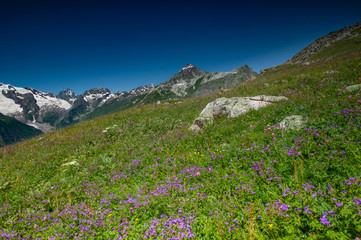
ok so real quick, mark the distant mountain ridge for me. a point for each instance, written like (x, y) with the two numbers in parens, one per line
(47, 111)
(193, 82)
(31, 106)
(324, 41)
(95, 98)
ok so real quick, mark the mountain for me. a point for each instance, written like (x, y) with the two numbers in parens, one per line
(190, 81)
(12, 130)
(67, 95)
(46, 110)
(31, 106)
(100, 101)
(322, 42)
(123, 101)
(141, 174)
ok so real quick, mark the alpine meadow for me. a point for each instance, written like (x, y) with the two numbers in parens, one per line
(142, 173)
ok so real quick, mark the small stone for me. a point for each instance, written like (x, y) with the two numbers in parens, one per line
(353, 88)
(294, 122)
(331, 72)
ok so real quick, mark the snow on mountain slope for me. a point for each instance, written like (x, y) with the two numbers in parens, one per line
(44, 99)
(31, 106)
(8, 106)
(68, 95)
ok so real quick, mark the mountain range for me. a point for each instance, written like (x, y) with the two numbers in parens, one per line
(46, 111)
(277, 157)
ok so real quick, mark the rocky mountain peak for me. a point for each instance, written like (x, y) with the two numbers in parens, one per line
(187, 66)
(142, 89)
(189, 71)
(97, 91)
(67, 94)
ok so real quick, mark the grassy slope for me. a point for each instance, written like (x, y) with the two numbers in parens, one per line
(11, 131)
(148, 176)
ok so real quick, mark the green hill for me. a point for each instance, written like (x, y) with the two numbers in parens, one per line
(141, 174)
(12, 131)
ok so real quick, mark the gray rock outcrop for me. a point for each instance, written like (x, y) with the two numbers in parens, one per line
(232, 107)
(294, 122)
(351, 88)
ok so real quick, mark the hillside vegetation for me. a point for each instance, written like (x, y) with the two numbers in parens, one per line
(141, 174)
(11, 130)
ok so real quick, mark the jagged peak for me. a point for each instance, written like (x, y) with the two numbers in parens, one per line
(188, 66)
(67, 94)
(97, 91)
(189, 71)
(142, 89)
(67, 91)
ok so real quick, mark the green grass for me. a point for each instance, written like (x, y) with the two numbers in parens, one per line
(340, 48)
(140, 173)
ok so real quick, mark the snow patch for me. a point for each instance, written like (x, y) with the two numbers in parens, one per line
(8, 106)
(22, 90)
(187, 67)
(34, 126)
(48, 100)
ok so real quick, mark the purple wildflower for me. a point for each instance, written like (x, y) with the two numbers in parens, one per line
(325, 221)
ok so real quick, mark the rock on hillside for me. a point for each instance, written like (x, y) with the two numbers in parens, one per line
(324, 41)
(232, 107)
(293, 122)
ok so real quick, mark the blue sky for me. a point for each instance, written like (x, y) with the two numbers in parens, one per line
(52, 45)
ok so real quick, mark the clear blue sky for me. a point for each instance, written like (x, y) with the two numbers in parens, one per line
(54, 44)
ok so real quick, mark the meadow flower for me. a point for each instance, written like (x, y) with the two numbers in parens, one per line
(325, 221)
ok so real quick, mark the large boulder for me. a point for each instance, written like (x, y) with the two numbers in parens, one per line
(232, 107)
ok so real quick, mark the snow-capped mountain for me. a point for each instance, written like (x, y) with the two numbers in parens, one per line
(68, 95)
(33, 107)
(141, 90)
(96, 97)
(100, 101)
(45, 110)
